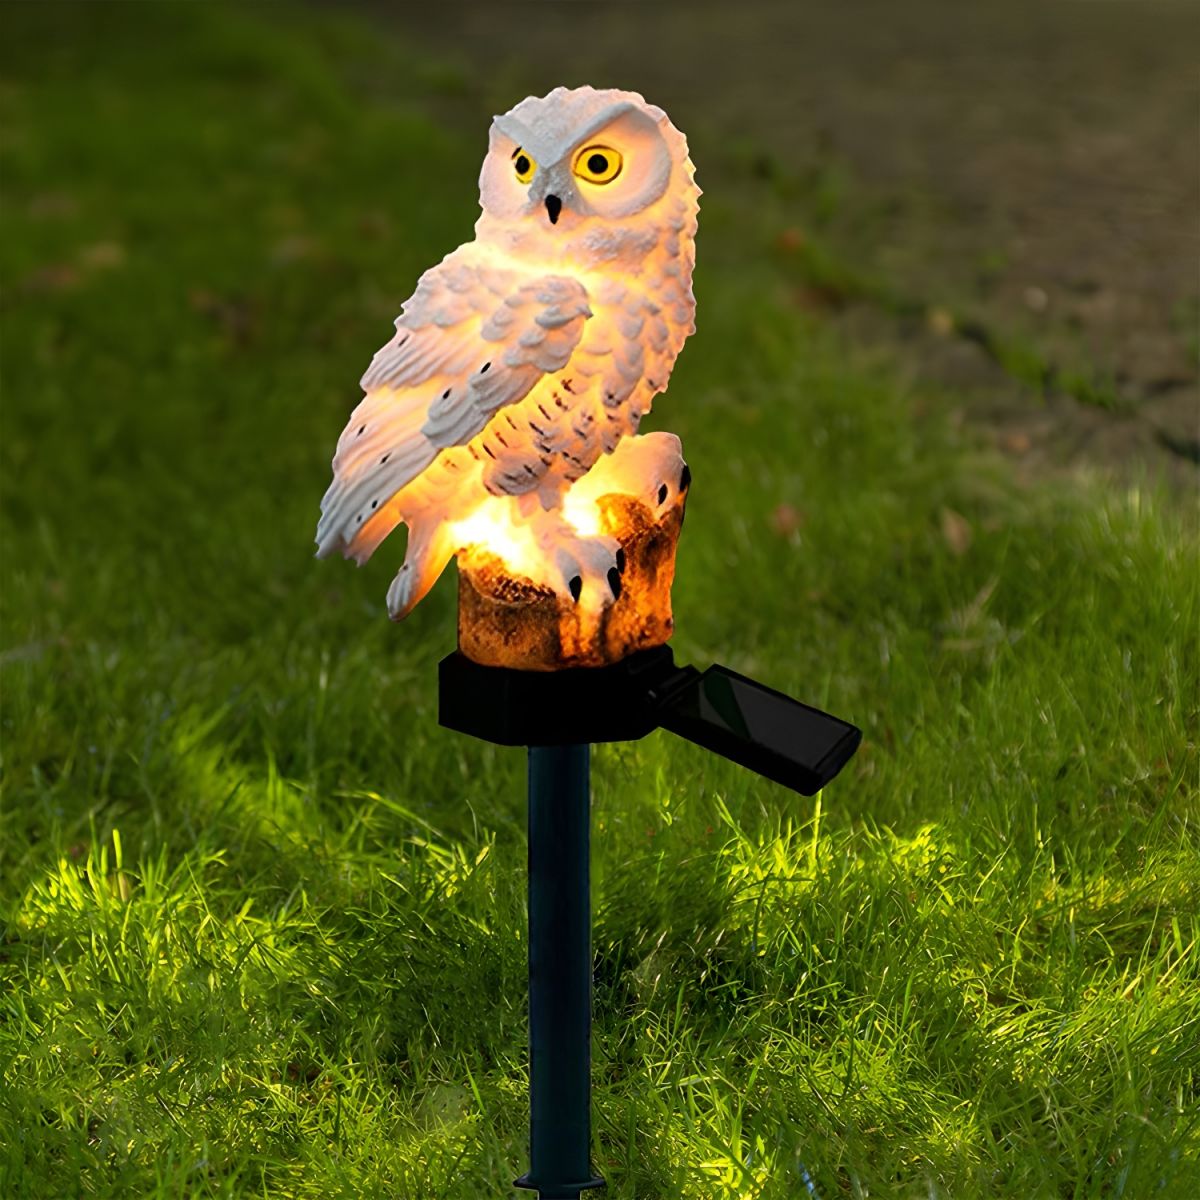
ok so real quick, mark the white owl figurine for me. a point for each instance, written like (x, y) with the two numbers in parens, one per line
(527, 355)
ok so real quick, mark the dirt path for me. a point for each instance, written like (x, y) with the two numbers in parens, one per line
(1025, 177)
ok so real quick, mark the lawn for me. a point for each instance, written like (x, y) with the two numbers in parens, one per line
(263, 921)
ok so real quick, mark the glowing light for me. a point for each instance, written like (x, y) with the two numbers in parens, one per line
(491, 529)
(581, 513)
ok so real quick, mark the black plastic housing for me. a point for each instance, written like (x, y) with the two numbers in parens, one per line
(773, 735)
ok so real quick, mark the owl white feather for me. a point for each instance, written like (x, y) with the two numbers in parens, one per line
(529, 353)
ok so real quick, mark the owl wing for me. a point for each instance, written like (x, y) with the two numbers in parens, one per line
(473, 338)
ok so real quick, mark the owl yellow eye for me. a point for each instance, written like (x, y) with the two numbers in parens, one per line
(598, 164)
(523, 165)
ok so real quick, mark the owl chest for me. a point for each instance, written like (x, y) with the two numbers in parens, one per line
(633, 339)
(550, 433)
(576, 414)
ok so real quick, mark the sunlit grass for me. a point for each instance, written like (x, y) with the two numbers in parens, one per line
(264, 920)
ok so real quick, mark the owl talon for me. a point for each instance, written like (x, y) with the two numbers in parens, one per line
(585, 568)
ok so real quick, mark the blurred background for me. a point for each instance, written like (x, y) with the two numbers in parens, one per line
(1016, 184)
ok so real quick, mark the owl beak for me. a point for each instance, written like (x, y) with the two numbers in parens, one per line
(553, 207)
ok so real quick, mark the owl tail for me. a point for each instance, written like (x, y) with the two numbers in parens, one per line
(430, 548)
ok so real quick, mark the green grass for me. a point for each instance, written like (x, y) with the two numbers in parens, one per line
(264, 920)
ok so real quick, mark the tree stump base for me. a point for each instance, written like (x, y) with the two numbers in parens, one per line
(509, 621)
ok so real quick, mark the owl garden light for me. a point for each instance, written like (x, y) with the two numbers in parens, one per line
(500, 424)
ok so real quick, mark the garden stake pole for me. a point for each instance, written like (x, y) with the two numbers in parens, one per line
(559, 715)
(560, 973)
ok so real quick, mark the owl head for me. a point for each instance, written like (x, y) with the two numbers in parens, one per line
(582, 153)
